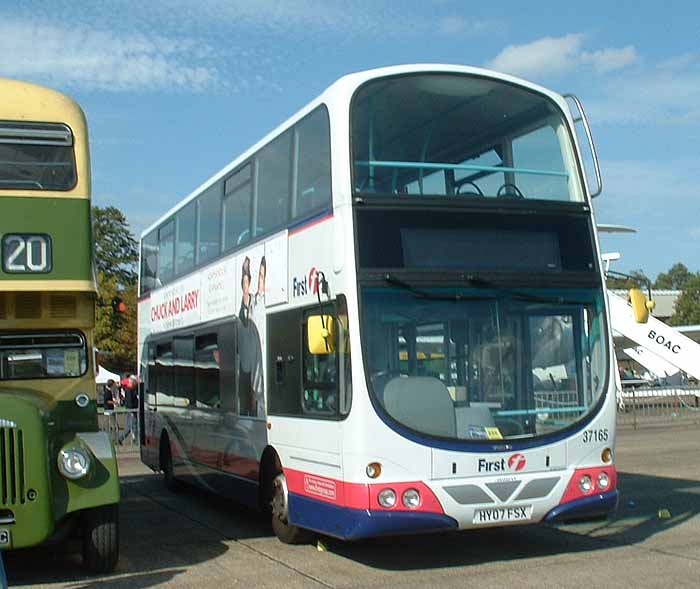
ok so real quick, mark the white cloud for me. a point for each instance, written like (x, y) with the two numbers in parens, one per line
(554, 55)
(658, 96)
(101, 59)
(607, 60)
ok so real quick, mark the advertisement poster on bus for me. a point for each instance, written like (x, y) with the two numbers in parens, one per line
(252, 271)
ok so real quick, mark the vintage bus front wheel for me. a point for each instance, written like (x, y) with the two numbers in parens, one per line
(101, 538)
(285, 532)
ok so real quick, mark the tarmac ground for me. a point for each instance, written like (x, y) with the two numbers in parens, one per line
(193, 539)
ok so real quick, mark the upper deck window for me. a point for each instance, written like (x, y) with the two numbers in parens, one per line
(36, 156)
(460, 136)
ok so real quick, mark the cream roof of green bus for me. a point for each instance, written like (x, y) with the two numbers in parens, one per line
(25, 101)
(337, 98)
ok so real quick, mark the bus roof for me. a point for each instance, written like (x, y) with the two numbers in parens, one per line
(339, 93)
(25, 101)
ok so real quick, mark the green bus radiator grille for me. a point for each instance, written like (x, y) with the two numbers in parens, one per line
(12, 475)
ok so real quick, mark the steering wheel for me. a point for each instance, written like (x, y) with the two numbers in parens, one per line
(478, 190)
(503, 191)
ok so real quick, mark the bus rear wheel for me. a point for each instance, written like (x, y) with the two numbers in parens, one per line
(166, 464)
(285, 532)
(100, 529)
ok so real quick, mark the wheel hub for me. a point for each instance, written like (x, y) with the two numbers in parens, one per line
(280, 497)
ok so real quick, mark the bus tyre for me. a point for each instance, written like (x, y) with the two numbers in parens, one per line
(101, 538)
(166, 464)
(285, 532)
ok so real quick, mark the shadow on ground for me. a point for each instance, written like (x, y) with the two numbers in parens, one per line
(165, 533)
(637, 519)
(162, 534)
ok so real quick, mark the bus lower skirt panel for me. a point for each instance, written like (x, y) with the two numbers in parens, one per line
(351, 524)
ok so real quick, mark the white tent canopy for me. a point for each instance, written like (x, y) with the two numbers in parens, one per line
(103, 375)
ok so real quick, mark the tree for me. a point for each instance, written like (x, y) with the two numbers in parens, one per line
(116, 255)
(687, 310)
(674, 279)
(115, 333)
(116, 249)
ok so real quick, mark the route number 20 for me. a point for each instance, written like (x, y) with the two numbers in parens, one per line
(26, 253)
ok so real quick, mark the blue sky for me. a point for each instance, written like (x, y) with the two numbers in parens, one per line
(174, 90)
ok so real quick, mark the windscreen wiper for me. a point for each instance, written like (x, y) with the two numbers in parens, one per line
(479, 282)
(424, 294)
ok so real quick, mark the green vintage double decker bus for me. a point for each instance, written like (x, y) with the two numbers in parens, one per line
(58, 472)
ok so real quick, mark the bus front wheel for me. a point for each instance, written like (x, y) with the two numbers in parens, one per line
(285, 532)
(101, 538)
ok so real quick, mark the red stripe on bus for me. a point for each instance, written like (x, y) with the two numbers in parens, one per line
(358, 495)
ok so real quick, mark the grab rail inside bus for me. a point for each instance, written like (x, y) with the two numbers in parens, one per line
(581, 118)
(446, 166)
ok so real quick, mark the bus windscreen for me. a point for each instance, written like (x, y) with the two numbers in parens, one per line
(36, 156)
(460, 136)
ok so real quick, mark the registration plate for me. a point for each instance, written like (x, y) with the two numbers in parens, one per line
(4, 537)
(497, 515)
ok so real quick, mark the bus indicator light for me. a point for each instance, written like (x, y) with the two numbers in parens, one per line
(373, 470)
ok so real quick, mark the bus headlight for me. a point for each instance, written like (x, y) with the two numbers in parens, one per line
(82, 400)
(603, 480)
(585, 484)
(411, 498)
(387, 498)
(73, 463)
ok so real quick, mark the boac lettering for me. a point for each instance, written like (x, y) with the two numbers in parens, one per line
(662, 341)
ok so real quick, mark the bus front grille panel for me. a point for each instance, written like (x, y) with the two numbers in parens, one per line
(63, 307)
(12, 473)
(28, 305)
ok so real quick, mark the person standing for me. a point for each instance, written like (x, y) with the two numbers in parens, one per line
(131, 402)
(108, 395)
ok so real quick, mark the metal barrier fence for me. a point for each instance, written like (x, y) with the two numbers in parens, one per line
(115, 422)
(646, 406)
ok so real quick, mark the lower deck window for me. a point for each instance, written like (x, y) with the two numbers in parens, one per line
(28, 355)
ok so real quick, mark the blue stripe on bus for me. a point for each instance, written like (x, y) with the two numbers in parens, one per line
(598, 505)
(351, 524)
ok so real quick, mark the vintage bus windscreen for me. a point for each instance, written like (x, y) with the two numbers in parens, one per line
(443, 134)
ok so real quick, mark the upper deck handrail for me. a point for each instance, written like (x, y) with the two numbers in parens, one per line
(446, 166)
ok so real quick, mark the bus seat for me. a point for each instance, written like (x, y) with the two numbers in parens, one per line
(422, 403)
(474, 415)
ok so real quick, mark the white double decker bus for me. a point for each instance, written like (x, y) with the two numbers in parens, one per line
(389, 315)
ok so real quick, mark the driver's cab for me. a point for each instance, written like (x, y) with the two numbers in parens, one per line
(477, 378)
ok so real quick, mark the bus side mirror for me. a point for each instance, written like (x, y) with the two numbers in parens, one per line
(321, 334)
(640, 305)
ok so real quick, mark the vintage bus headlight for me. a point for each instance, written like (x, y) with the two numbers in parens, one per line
(73, 463)
(585, 483)
(411, 498)
(82, 400)
(387, 498)
(603, 480)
